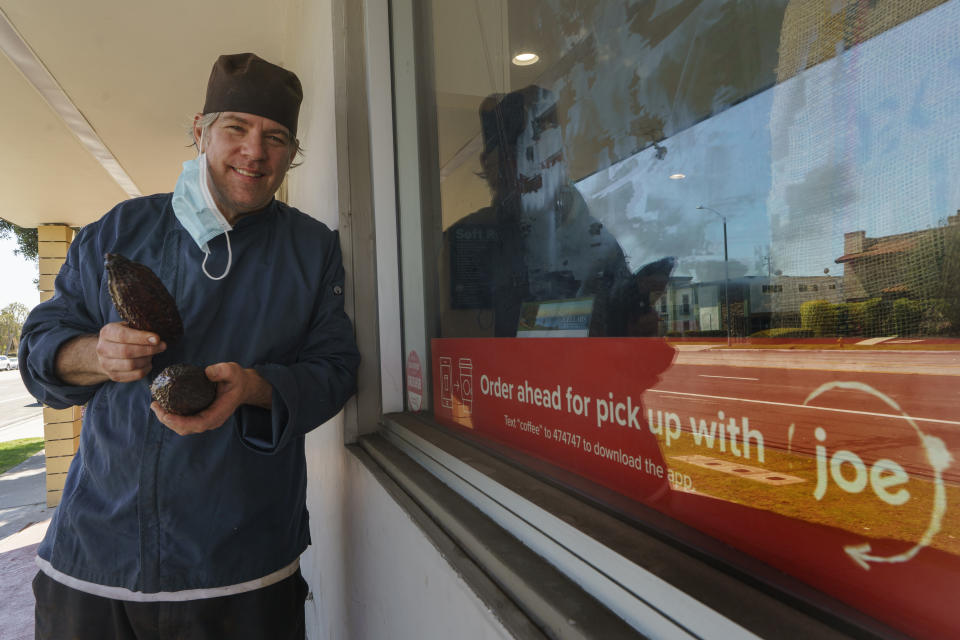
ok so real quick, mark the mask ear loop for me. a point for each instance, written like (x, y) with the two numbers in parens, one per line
(203, 136)
(226, 233)
(203, 265)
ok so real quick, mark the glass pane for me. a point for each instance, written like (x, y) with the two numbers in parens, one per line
(705, 257)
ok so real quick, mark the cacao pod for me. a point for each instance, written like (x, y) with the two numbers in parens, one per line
(183, 389)
(141, 299)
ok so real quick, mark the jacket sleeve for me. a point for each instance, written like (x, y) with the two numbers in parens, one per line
(73, 310)
(313, 389)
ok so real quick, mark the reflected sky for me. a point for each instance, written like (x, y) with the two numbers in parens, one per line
(726, 160)
(864, 141)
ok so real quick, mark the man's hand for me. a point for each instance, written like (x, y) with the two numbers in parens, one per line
(118, 353)
(235, 386)
(126, 354)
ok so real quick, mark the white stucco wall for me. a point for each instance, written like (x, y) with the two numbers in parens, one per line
(372, 572)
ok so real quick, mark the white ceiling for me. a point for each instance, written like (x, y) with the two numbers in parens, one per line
(136, 71)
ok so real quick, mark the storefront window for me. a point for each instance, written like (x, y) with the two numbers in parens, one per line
(706, 254)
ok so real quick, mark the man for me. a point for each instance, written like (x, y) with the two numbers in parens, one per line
(537, 240)
(173, 526)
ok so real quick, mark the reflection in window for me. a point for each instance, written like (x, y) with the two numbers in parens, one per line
(535, 259)
(771, 174)
(574, 197)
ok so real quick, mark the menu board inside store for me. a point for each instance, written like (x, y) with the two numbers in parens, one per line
(835, 466)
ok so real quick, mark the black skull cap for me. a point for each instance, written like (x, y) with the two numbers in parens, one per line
(246, 83)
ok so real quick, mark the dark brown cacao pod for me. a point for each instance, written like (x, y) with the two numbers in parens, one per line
(183, 389)
(141, 299)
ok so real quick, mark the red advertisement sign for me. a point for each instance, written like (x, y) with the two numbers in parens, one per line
(836, 467)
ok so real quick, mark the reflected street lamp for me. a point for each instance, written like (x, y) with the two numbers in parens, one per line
(726, 267)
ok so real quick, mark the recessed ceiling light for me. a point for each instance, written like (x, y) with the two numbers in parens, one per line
(678, 176)
(525, 58)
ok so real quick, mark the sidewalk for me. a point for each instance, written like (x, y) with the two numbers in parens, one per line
(17, 568)
(24, 517)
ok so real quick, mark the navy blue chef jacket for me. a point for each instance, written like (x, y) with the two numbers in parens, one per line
(144, 508)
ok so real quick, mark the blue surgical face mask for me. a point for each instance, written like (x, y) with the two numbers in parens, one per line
(196, 210)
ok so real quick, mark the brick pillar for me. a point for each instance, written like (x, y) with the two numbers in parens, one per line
(61, 434)
(53, 241)
(61, 427)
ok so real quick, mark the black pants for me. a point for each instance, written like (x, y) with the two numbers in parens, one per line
(270, 613)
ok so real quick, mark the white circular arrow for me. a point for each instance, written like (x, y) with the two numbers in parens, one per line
(939, 458)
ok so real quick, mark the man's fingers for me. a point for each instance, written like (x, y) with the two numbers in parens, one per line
(125, 369)
(222, 371)
(127, 364)
(170, 420)
(214, 372)
(128, 376)
(120, 332)
(124, 351)
(125, 354)
(206, 420)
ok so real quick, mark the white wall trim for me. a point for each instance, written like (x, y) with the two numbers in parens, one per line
(380, 113)
(412, 264)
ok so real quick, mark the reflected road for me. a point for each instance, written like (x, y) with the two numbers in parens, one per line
(771, 387)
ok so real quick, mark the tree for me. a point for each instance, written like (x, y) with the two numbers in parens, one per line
(950, 278)
(907, 316)
(932, 274)
(12, 318)
(26, 239)
(820, 317)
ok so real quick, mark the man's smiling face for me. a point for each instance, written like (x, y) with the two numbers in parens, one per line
(248, 156)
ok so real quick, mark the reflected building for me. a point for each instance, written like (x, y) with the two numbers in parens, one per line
(757, 303)
(904, 265)
(787, 295)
